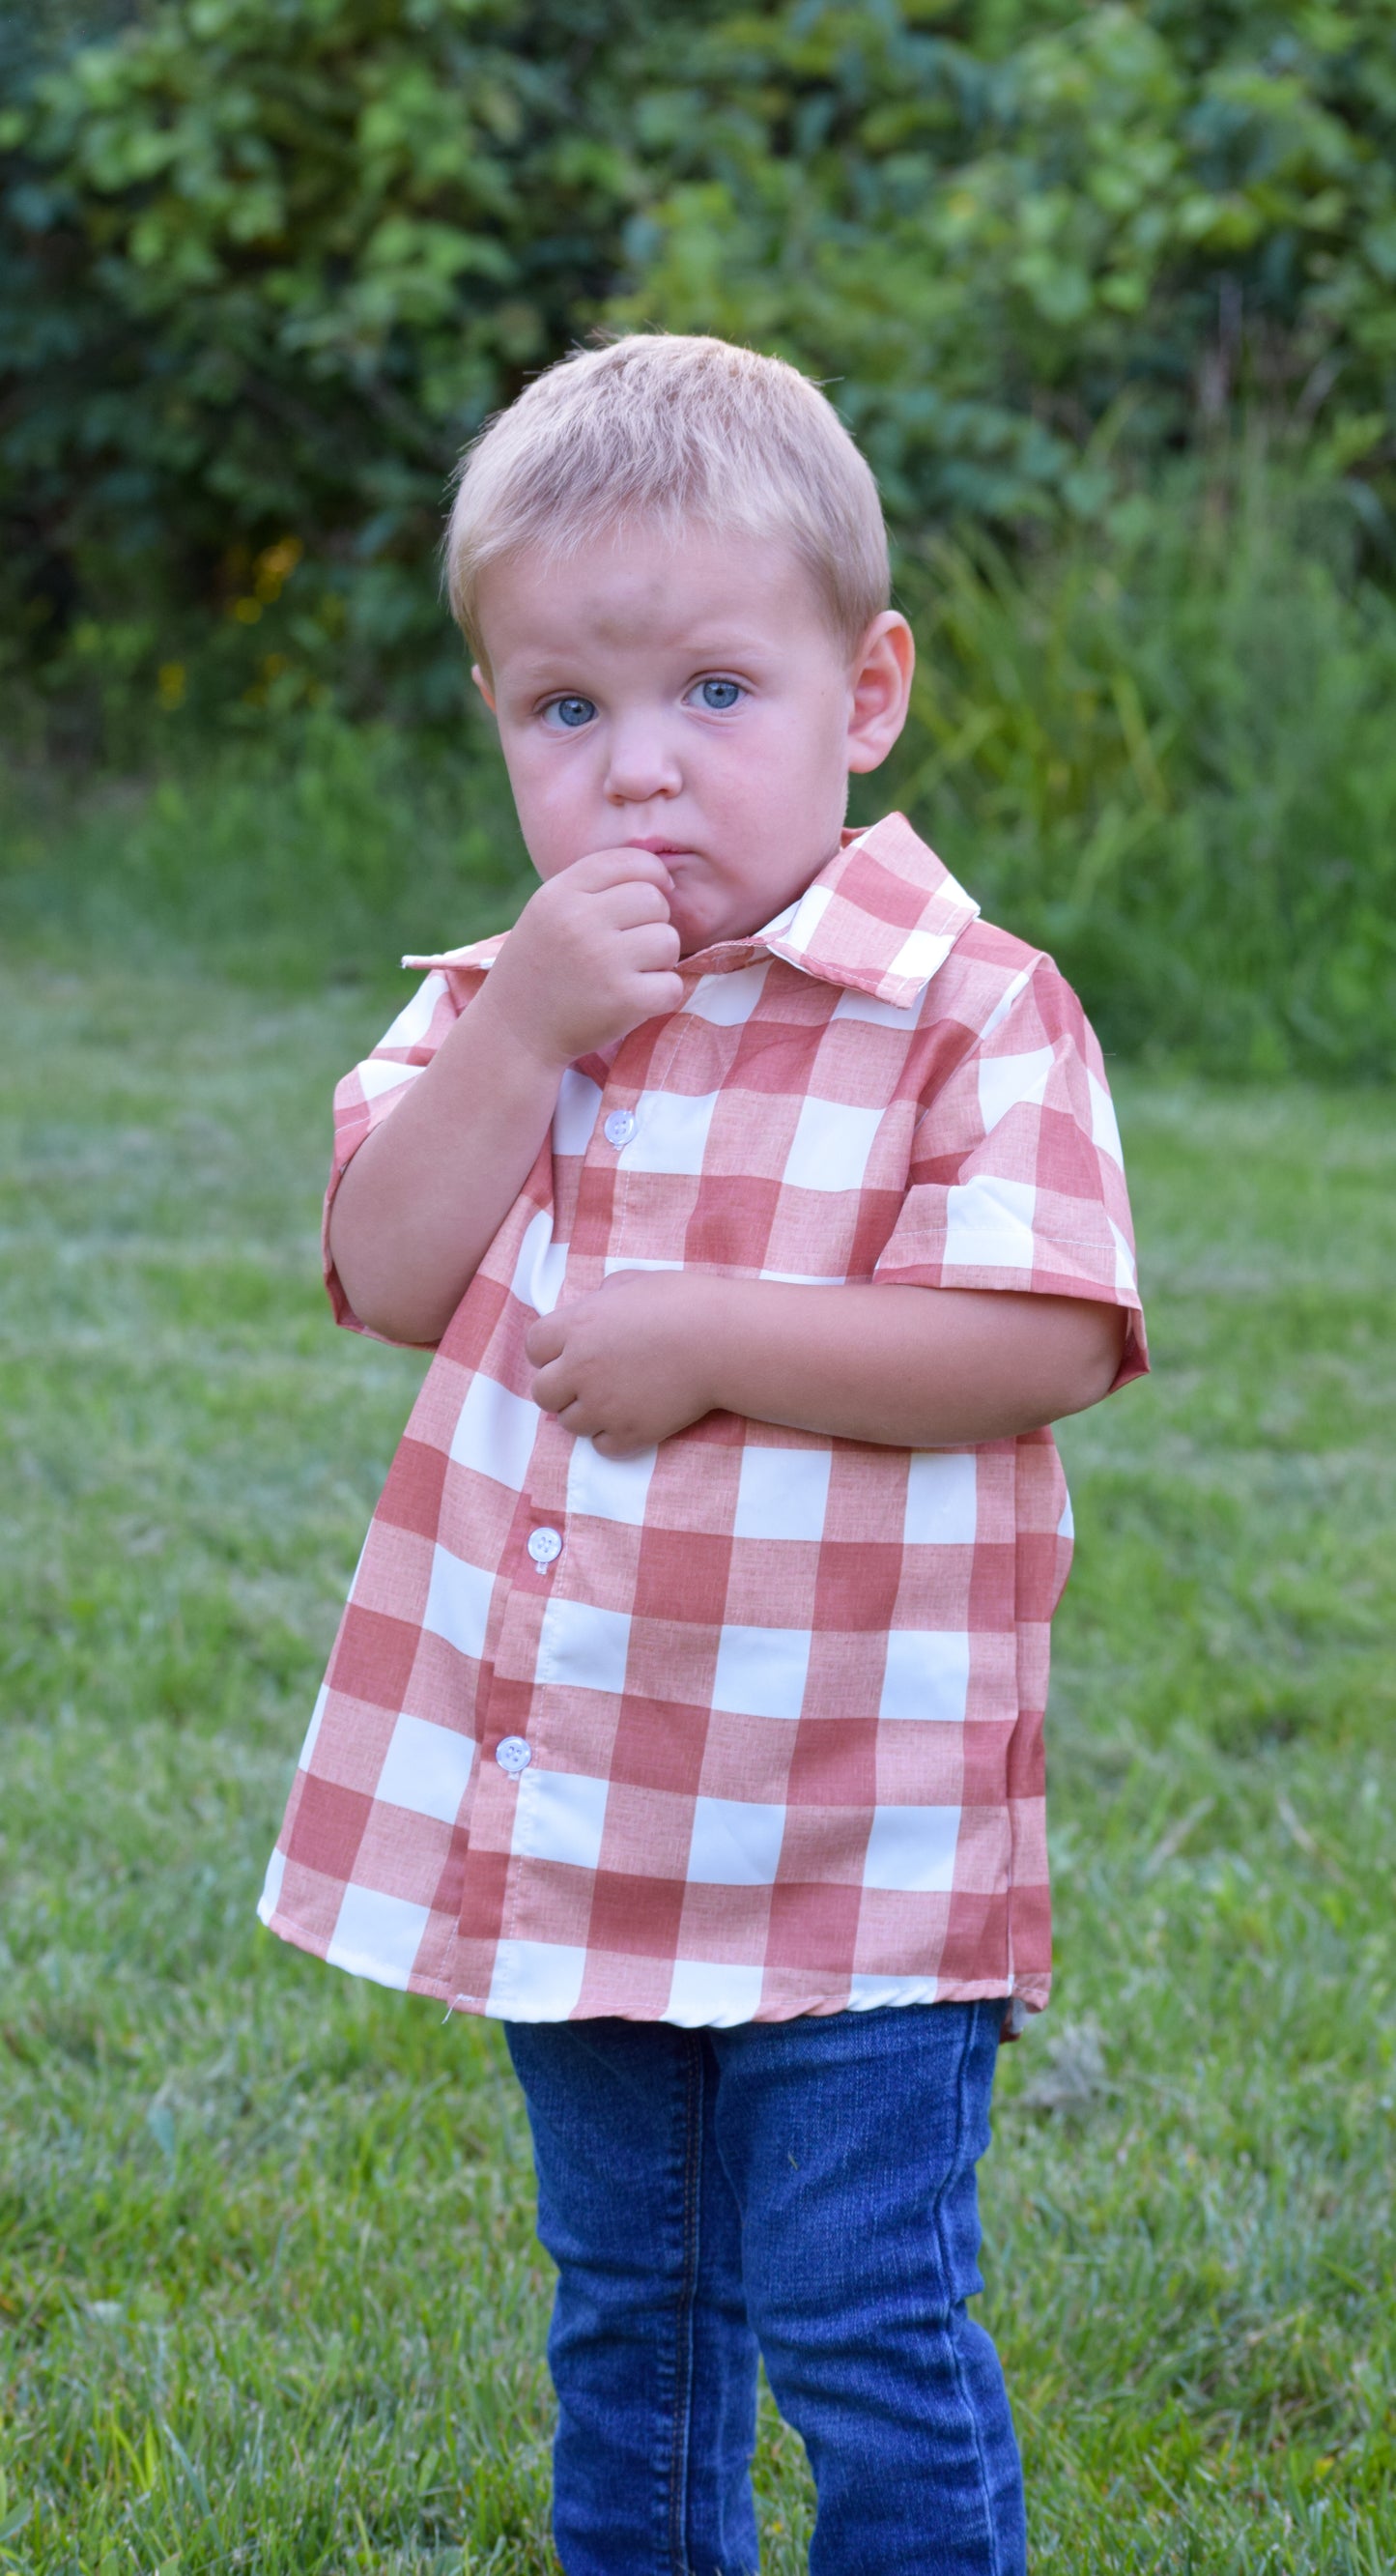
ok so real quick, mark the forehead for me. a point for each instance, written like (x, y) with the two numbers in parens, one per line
(645, 590)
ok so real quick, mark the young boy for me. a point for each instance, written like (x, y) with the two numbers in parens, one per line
(763, 1207)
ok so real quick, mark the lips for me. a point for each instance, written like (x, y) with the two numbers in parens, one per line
(661, 849)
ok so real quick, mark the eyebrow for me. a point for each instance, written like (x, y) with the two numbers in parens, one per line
(719, 645)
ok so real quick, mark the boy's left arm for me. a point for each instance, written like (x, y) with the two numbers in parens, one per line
(917, 1368)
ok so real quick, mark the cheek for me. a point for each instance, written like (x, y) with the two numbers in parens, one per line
(794, 756)
(548, 803)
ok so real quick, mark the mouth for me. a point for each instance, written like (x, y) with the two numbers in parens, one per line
(661, 849)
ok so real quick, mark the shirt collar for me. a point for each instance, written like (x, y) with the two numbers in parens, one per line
(880, 919)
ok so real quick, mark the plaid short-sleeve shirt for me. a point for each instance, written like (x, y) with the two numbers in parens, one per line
(750, 1725)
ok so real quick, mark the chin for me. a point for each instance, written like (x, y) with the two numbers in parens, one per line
(692, 934)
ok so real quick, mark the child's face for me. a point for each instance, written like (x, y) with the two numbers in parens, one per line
(688, 698)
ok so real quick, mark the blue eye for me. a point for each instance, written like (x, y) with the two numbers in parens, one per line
(718, 695)
(572, 712)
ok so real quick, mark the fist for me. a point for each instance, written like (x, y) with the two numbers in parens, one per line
(592, 954)
(629, 1363)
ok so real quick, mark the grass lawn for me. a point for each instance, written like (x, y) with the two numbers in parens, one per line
(269, 2296)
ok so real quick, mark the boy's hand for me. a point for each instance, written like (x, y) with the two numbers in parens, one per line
(625, 1365)
(592, 954)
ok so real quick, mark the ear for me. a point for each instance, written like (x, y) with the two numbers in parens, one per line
(880, 685)
(484, 685)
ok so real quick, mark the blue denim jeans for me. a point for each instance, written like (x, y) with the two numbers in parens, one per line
(805, 2190)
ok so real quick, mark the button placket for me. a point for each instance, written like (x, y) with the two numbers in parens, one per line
(620, 1125)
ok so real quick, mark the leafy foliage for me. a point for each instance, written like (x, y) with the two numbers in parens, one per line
(265, 265)
(1019, 236)
(269, 263)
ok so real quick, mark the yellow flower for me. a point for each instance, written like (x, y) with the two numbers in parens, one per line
(274, 567)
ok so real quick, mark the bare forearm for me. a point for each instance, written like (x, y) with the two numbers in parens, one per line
(634, 1361)
(914, 1367)
(429, 1189)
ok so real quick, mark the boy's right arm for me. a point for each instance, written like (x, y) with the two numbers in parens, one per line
(593, 953)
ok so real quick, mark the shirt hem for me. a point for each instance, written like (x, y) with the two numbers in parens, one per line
(1031, 1991)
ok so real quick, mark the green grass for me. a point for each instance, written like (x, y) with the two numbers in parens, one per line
(269, 2296)
(313, 853)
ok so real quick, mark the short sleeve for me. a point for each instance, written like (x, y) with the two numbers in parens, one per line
(373, 1090)
(1017, 1176)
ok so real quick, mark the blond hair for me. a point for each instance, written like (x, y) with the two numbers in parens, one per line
(665, 429)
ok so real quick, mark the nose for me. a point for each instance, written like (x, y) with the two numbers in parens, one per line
(642, 763)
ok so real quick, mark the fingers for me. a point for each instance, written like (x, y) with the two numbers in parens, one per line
(603, 868)
(633, 902)
(610, 1444)
(559, 1356)
(584, 1423)
(554, 1387)
(657, 996)
(651, 948)
(544, 1339)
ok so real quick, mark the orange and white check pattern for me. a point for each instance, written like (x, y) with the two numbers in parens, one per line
(750, 1725)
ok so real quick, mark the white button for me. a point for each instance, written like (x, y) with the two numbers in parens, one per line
(544, 1545)
(513, 1755)
(620, 1126)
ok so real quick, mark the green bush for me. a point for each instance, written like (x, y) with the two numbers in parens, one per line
(1031, 243)
(1166, 754)
(265, 265)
